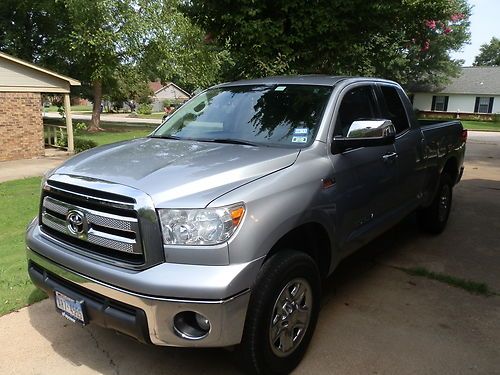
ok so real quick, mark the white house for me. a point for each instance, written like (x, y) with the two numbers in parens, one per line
(168, 91)
(476, 90)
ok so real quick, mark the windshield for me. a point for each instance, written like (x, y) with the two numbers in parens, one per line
(278, 115)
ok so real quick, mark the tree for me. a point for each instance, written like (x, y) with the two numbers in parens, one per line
(113, 46)
(400, 39)
(173, 47)
(489, 54)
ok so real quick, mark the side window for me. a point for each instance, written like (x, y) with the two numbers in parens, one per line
(357, 104)
(394, 109)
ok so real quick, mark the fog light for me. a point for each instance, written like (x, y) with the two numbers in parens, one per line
(202, 321)
(191, 326)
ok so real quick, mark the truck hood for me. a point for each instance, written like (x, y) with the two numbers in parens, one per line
(179, 174)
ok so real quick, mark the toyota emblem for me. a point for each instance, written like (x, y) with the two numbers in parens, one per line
(76, 223)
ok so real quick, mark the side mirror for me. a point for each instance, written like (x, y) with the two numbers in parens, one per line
(365, 133)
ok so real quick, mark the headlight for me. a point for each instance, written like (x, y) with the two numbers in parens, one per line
(207, 226)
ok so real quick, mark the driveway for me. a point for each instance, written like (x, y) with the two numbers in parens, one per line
(375, 318)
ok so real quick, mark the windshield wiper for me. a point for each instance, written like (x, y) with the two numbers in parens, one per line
(233, 141)
(166, 137)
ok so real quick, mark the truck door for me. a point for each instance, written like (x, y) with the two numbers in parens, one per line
(365, 177)
(410, 162)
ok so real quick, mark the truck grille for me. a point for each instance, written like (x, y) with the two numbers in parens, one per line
(92, 224)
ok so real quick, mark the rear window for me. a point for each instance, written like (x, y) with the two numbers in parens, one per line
(394, 109)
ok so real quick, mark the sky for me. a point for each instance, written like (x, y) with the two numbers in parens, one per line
(484, 24)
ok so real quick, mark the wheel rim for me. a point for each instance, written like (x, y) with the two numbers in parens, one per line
(291, 317)
(444, 202)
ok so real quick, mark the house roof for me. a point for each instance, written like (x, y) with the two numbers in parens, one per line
(71, 81)
(484, 80)
(17, 75)
(157, 86)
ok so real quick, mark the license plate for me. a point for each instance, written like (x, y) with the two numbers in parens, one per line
(70, 308)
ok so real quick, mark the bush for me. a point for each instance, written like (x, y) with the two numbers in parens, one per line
(79, 128)
(82, 144)
(145, 109)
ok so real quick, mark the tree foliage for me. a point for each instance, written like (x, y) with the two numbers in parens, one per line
(405, 40)
(113, 46)
(489, 54)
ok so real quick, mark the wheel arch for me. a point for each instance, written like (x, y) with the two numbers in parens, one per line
(311, 238)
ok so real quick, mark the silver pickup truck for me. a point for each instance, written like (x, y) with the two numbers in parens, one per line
(217, 229)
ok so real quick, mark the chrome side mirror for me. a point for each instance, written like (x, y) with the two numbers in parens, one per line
(365, 133)
(371, 129)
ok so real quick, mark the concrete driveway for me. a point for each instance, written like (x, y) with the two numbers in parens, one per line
(375, 318)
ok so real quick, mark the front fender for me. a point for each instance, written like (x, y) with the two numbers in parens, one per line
(279, 203)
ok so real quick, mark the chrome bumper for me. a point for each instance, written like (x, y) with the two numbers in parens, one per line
(227, 317)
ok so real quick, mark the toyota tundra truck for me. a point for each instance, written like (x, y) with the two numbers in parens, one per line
(218, 228)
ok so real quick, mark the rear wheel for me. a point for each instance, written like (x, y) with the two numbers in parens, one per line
(282, 314)
(433, 219)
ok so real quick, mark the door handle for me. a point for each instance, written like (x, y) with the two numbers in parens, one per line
(390, 157)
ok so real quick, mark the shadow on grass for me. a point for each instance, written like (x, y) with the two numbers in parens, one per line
(36, 295)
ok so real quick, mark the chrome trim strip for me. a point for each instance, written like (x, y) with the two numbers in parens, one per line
(227, 317)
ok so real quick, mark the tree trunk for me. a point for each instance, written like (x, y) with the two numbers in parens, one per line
(96, 107)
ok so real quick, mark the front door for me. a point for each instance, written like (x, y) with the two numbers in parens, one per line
(365, 177)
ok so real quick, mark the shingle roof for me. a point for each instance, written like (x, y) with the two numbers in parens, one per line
(476, 80)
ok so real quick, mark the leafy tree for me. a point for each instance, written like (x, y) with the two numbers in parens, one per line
(406, 40)
(173, 47)
(30, 30)
(489, 54)
(113, 46)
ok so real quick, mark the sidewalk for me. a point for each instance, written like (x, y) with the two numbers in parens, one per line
(17, 169)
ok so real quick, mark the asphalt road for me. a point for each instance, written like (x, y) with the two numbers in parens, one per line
(375, 318)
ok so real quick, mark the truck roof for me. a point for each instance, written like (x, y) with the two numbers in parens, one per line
(313, 79)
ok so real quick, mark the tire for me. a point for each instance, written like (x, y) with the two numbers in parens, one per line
(433, 219)
(288, 278)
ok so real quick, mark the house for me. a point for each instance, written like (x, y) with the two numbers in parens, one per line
(168, 91)
(21, 125)
(475, 91)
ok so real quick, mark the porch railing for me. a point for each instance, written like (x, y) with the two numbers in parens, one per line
(55, 136)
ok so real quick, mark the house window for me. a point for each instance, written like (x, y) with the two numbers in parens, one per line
(439, 103)
(484, 104)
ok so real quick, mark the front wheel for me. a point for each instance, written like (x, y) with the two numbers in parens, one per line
(282, 314)
(433, 219)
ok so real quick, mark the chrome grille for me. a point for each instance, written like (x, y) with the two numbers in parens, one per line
(103, 229)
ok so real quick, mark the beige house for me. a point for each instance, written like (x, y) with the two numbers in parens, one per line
(475, 91)
(168, 91)
(21, 125)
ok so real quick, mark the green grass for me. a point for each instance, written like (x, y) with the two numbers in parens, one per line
(470, 286)
(155, 115)
(481, 125)
(18, 204)
(116, 133)
(74, 108)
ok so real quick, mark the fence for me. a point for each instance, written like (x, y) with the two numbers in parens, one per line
(55, 135)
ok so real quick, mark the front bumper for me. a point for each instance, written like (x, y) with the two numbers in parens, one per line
(147, 318)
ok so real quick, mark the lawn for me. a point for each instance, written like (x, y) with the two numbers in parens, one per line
(18, 204)
(481, 125)
(116, 133)
(74, 108)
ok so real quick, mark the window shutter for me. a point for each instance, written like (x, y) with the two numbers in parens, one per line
(446, 103)
(490, 107)
(433, 106)
(476, 106)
